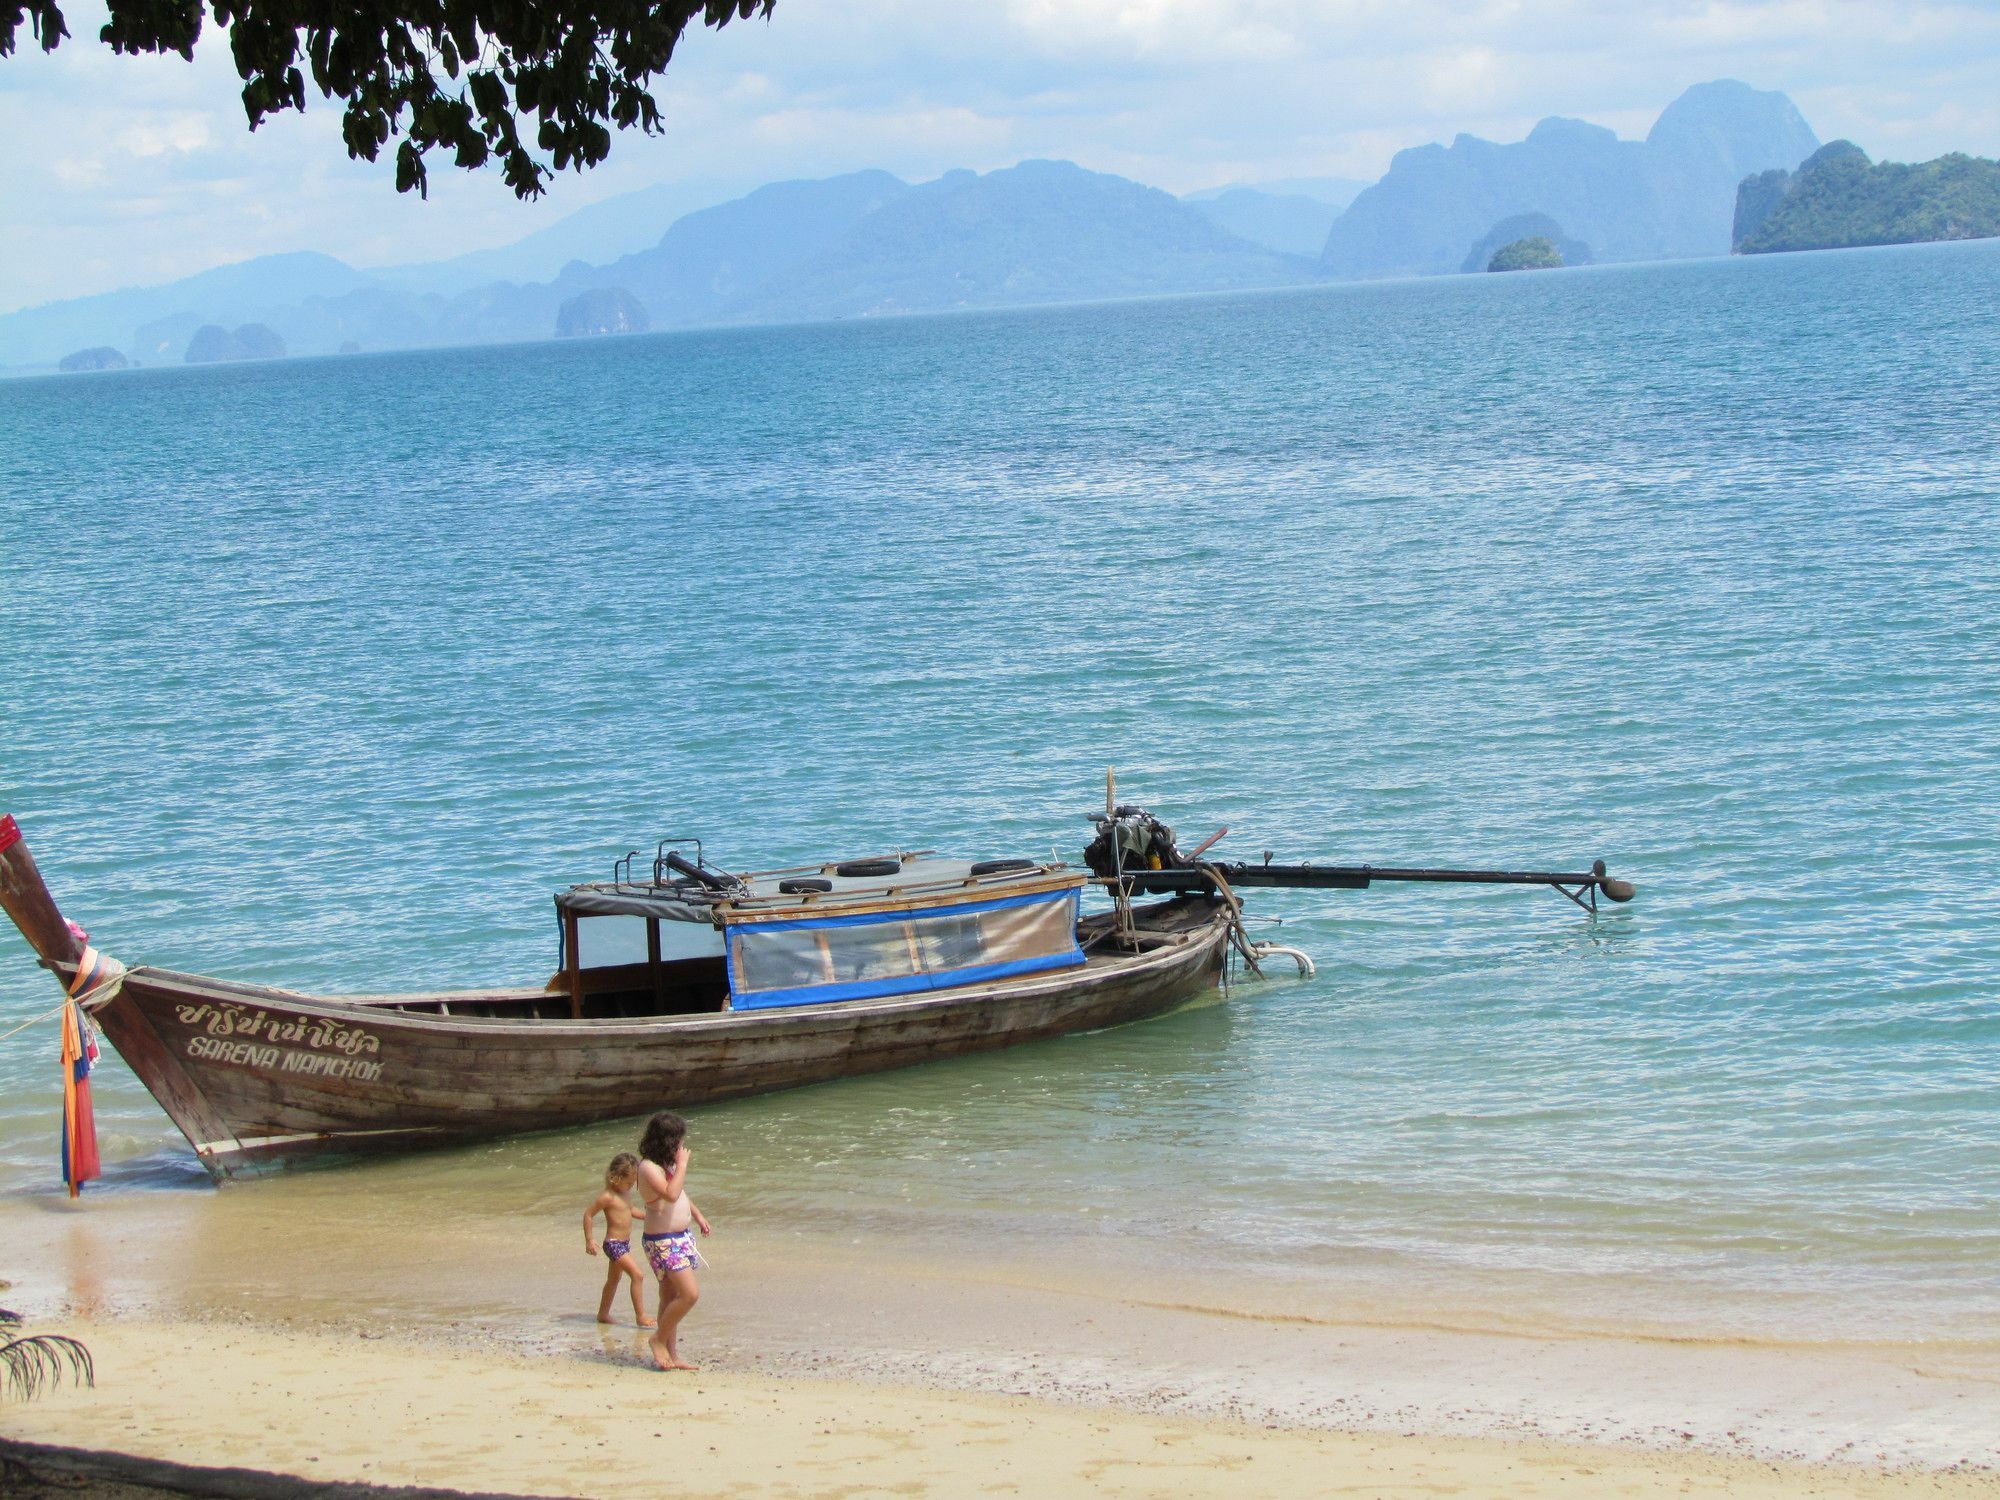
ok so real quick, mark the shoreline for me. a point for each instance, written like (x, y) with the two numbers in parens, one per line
(438, 1412)
(311, 1260)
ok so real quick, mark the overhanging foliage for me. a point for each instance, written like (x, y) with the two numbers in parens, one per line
(536, 84)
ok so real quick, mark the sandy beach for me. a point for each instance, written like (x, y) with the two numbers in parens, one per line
(314, 1325)
(400, 1412)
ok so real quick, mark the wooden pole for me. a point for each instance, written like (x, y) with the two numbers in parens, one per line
(574, 965)
(27, 900)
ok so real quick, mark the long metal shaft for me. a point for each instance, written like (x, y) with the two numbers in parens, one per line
(1243, 875)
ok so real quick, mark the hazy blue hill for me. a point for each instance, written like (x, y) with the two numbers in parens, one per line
(620, 225)
(1335, 192)
(1714, 133)
(1043, 231)
(103, 357)
(1838, 198)
(1671, 195)
(600, 311)
(1288, 222)
(228, 294)
(709, 261)
(213, 344)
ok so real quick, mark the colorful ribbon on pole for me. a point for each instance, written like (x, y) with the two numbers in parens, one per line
(79, 1055)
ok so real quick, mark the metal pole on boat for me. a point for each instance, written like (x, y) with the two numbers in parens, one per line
(1121, 895)
(1581, 886)
(26, 898)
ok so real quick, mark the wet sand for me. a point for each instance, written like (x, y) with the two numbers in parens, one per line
(256, 1324)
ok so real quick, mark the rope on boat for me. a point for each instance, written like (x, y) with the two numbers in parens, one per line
(1239, 938)
(101, 993)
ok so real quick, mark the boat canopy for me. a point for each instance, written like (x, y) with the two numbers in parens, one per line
(616, 899)
(894, 925)
(890, 877)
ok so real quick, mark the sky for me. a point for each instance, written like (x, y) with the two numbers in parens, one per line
(127, 171)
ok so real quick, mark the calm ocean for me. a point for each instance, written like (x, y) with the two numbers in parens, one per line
(328, 672)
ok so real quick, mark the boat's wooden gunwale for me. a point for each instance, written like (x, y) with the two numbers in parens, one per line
(543, 1031)
(381, 1012)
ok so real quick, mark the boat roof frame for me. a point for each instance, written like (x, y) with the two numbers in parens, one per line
(928, 886)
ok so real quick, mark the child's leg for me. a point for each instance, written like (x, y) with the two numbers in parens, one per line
(611, 1278)
(679, 1291)
(629, 1263)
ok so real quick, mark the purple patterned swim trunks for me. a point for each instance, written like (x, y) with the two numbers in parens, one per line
(673, 1251)
(617, 1249)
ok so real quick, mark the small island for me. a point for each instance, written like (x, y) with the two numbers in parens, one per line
(103, 357)
(1514, 227)
(1839, 199)
(601, 310)
(214, 344)
(1536, 253)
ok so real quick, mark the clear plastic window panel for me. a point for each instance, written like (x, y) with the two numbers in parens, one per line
(901, 948)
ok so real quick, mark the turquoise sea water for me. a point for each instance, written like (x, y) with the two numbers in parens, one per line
(328, 672)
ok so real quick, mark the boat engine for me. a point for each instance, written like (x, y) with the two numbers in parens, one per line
(1130, 838)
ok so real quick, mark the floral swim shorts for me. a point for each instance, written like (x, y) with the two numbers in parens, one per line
(617, 1249)
(673, 1251)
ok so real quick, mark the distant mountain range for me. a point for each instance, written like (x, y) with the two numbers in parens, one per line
(858, 245)
(1292, 215)
(867, 243)
(1668, 196)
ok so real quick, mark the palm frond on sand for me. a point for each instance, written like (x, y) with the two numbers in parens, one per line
(28, 1366)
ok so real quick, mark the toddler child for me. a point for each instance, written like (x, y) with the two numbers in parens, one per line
(616, 1206)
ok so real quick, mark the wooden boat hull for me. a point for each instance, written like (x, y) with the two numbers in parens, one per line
(259, 1078)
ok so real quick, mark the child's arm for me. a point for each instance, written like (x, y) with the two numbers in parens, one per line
(668, 1183)
(699, 1222)
(589, 1216)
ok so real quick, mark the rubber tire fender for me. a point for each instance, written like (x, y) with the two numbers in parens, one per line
(1000, 866)
(856, 868)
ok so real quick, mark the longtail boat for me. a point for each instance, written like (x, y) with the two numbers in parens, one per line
(681, 983)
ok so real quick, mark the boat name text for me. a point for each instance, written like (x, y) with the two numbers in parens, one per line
(254, 1055)
(222, 1019)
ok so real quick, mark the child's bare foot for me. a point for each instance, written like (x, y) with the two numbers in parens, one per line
(643, 1322)
(666, 1356)
(604, 1317)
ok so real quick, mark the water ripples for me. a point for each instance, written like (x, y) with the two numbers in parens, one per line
(326, 672)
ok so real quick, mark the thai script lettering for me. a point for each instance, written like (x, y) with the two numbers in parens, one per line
(220, 1018)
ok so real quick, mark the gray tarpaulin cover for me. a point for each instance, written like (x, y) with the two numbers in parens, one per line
(632, 901)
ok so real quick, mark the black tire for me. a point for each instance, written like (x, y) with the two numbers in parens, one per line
(804, 885)
(859, 867)
(1001, 866)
